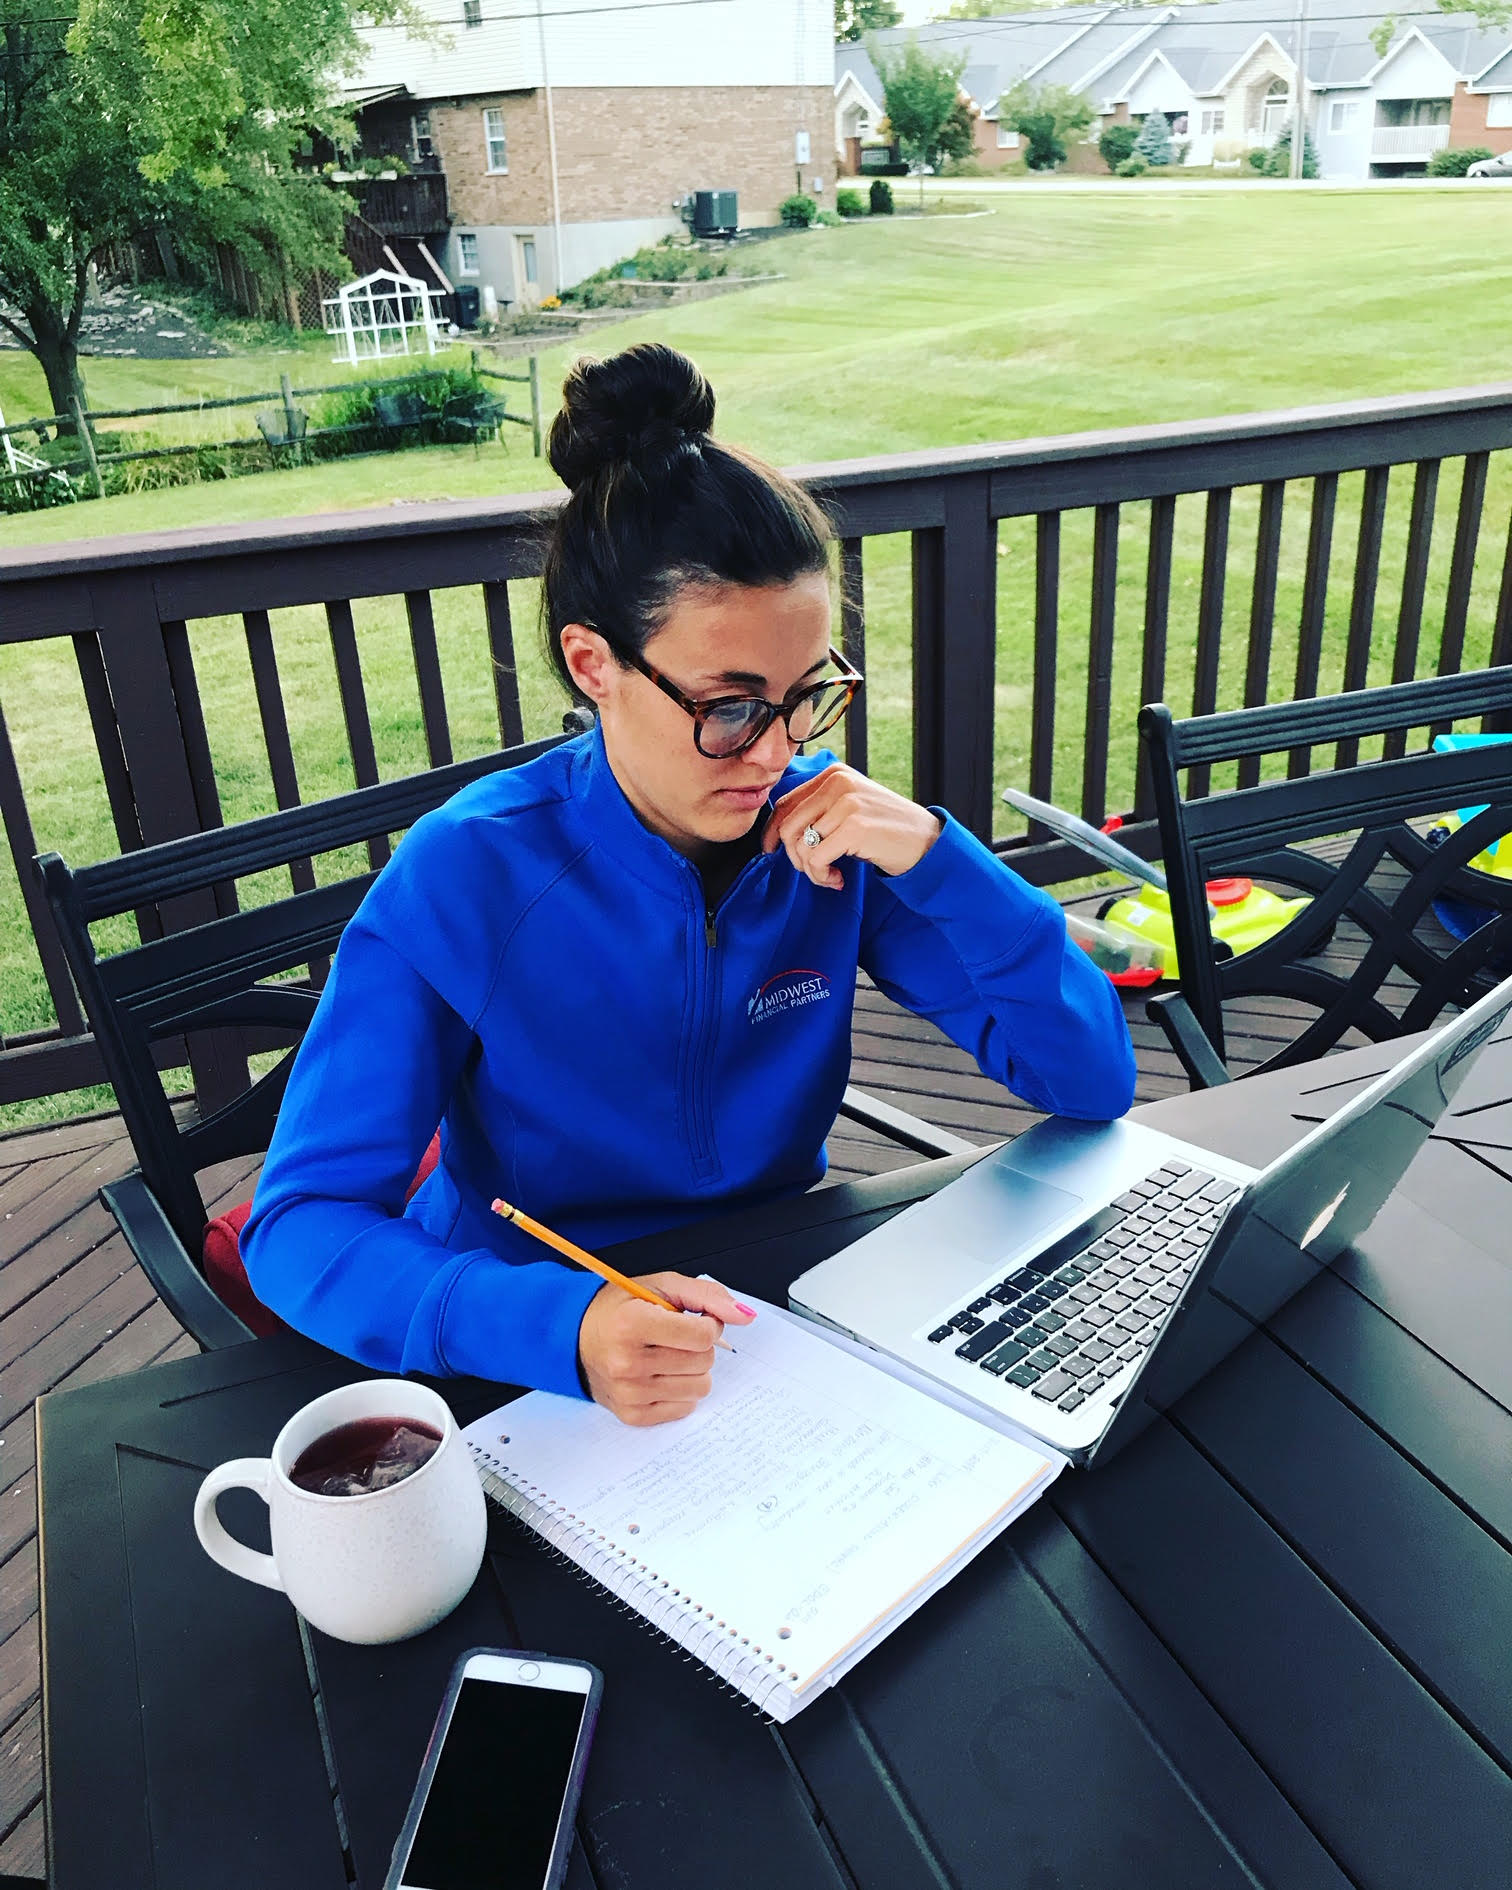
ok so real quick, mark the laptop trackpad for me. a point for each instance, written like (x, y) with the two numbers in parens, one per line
(1000, 1213)
(903, 1272)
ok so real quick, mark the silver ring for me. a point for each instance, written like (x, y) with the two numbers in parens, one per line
(811, 835)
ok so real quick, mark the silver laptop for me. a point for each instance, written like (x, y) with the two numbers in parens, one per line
(1078, 1280)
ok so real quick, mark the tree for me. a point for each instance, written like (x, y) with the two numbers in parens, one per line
(118, 117)
(1044, 116)
(855, 17)
(1278, 158)
(1154, 141)
(1116, 144)
(921, 94)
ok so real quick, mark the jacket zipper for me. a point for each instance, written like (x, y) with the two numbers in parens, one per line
(706, 1031)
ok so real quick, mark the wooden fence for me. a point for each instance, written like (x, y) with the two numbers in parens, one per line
(286, 437)
(1196, 621)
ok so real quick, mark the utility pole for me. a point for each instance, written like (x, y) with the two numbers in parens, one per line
(556, 194)
(1299, 89)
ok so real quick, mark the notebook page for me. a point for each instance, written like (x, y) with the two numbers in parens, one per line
(809, 1500)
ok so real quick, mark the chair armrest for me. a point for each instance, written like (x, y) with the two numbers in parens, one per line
(1202, 1063)
(899, 1126)
(181, 1286)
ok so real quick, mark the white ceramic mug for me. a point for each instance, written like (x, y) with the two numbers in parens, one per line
(376, 1567)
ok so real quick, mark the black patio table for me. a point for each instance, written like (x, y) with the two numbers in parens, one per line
(1269, 1644)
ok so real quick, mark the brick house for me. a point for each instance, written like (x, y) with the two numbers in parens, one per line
(571, 135)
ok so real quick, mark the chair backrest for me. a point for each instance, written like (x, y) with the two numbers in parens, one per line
(226, 971)
(1372, 952)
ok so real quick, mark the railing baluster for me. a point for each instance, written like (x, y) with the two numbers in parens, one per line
(354, 710)
(853, 644)
(197, 746)
(23, 847)
(422, 628)
(1100, 663)
(1462, 565)
(955, 654)
(275, 727)
(1215, 537)
(1157, 618)
(1501, 637)
(1047, 540)
(1262, 612)
(1414, 590)
(505, 675)
(124, 607)
(1362, 597)
(1325, 496)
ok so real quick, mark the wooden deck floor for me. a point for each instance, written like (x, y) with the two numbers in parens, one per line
(74, 1307)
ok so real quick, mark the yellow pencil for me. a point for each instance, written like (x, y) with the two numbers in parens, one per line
(591, 1261)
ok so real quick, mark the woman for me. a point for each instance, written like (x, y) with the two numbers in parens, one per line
(621, 977)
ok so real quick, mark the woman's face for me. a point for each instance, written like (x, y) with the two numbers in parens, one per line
(725, 640)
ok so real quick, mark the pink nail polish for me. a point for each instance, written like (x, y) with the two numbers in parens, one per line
(749, 1311)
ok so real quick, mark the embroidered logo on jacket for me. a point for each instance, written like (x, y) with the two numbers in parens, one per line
(788, 991)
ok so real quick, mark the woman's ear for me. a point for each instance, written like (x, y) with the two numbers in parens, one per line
(590, 662)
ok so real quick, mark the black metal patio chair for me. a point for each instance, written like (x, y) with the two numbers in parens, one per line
(1391, 935)
(232, 970)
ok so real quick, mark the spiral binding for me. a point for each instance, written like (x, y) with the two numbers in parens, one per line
(560, 1535)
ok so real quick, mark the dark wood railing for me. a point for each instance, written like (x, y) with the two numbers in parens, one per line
(405, 206)
(1046, 529)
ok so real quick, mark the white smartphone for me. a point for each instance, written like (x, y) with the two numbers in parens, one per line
(494, 1805)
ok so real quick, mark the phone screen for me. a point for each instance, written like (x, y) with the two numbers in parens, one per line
(491, 1813)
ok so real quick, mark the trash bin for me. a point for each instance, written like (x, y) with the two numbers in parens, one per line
(466, 305)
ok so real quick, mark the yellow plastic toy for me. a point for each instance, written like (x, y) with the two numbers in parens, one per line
(1241, 914)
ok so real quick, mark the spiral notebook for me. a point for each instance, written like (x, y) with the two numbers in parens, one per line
(810, 1504)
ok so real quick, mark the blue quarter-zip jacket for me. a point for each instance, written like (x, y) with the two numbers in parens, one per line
(535, 971)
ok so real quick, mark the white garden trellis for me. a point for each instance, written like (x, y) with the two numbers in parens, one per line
(382, 314)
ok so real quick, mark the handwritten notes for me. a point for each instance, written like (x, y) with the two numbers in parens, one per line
(807, 1501)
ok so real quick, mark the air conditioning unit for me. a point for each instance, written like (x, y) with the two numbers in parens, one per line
(715, 213)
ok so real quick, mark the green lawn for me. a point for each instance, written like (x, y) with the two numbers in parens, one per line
(1049, 315)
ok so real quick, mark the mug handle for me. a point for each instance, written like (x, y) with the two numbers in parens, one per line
(243, 1473)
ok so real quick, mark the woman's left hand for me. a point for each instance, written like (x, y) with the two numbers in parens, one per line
(855, 818)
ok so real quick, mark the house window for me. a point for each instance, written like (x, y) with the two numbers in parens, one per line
(1007, 137)
(1212, 122)
(495, 141)
(472, 12)
(1276, 113)
(1342, 114)
(467, 253)
(421, 146)
(1498, 110)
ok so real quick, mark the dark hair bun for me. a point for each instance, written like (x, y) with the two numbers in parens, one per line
(642, 407)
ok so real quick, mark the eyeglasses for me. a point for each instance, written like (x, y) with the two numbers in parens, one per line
(724, 726)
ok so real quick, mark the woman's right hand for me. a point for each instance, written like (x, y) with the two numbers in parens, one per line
(648, 1365)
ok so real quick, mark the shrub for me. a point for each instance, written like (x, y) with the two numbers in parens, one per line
(828, 219)
(1257, 157)
(881, 204)
(797, 211)
(1456, 163)
(1154, 141)
(1116, 144)
(1278, 160)
(1133, 166)
(1227, 150)
(850, 203)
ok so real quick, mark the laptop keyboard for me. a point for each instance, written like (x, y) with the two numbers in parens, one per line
(1087, 1308)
